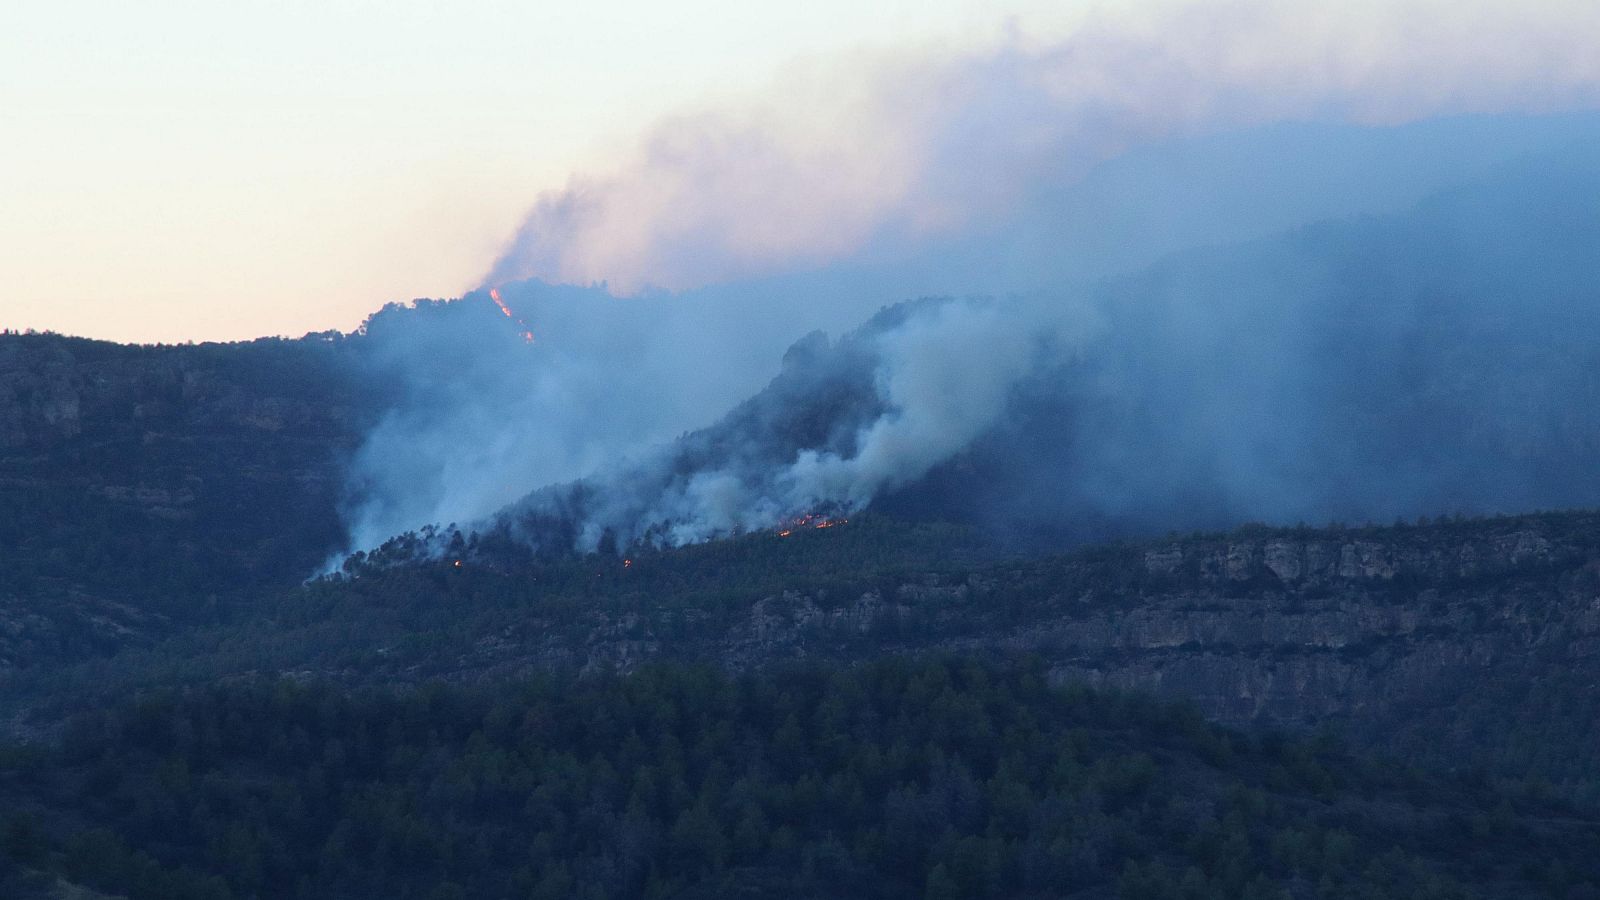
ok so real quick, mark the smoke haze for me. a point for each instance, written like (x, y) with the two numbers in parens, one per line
(1147, 333)
(875, 157)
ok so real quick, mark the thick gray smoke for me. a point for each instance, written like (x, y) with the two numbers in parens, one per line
(875, 158)
(1145, 351)
(839, 425)
(1206, 389)
(1441, 360)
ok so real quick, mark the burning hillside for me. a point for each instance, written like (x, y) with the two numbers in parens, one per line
(523, 331)
(1323, 375)
(808, 521)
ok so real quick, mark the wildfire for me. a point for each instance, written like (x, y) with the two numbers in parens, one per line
(494, 294)
(527, 335)
(809, 520)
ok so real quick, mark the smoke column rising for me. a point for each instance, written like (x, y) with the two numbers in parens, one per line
(1028, 172)
(882, 155)
(1443, 359)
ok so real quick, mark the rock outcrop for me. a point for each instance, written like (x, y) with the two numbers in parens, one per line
(1405, 636)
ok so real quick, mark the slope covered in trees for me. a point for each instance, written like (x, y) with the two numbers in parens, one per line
(1456, 644)
(139, 483)
(936, 778)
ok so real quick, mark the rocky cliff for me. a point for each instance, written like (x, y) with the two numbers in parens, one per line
(1474, 637)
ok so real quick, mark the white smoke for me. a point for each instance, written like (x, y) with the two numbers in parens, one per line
(882, 155)
(1029, 168)
(945, 379)
(939, 378)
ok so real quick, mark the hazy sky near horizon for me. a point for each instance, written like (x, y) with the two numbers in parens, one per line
(182, 170)
(191, 170)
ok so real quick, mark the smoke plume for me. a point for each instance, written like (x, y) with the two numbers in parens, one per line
(1441, 360)
(875, 157)
(1217, 262)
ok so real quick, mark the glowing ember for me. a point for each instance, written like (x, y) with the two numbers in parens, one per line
(527, 335)
(494, 294)
(809, 520)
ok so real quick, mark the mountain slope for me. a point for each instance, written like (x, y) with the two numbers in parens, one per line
(1472, 643)
(139, 483)
(931, 779)
(1437, 360)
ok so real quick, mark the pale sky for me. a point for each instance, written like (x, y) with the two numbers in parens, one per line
(176, 171)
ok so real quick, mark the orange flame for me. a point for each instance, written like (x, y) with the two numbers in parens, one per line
(809, 520)
(494, 294)
(527, 335)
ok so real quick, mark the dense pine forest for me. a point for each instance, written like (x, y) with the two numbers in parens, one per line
(940, 778)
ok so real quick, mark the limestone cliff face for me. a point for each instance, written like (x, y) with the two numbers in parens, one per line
(1329, 628)
(1410, 636)
(1279, 628)
(66, 394)
(1298, 631)
(1466, 645)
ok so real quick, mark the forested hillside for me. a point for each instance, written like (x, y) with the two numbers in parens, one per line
(138, 483)
(936, 779)
(1076, 451)
(878, 708)
(1466, 645)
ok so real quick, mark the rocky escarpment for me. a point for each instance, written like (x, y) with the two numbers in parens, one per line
(1444, 640)
(73, 395)
(1456, 635)
(1297, 630)
(1463, 642)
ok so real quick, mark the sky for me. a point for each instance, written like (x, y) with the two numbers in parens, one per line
(187, 171)
(175, 171)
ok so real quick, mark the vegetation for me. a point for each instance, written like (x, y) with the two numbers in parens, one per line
(154, 476)
(751, 717)
(902, 778)
(880, 586)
